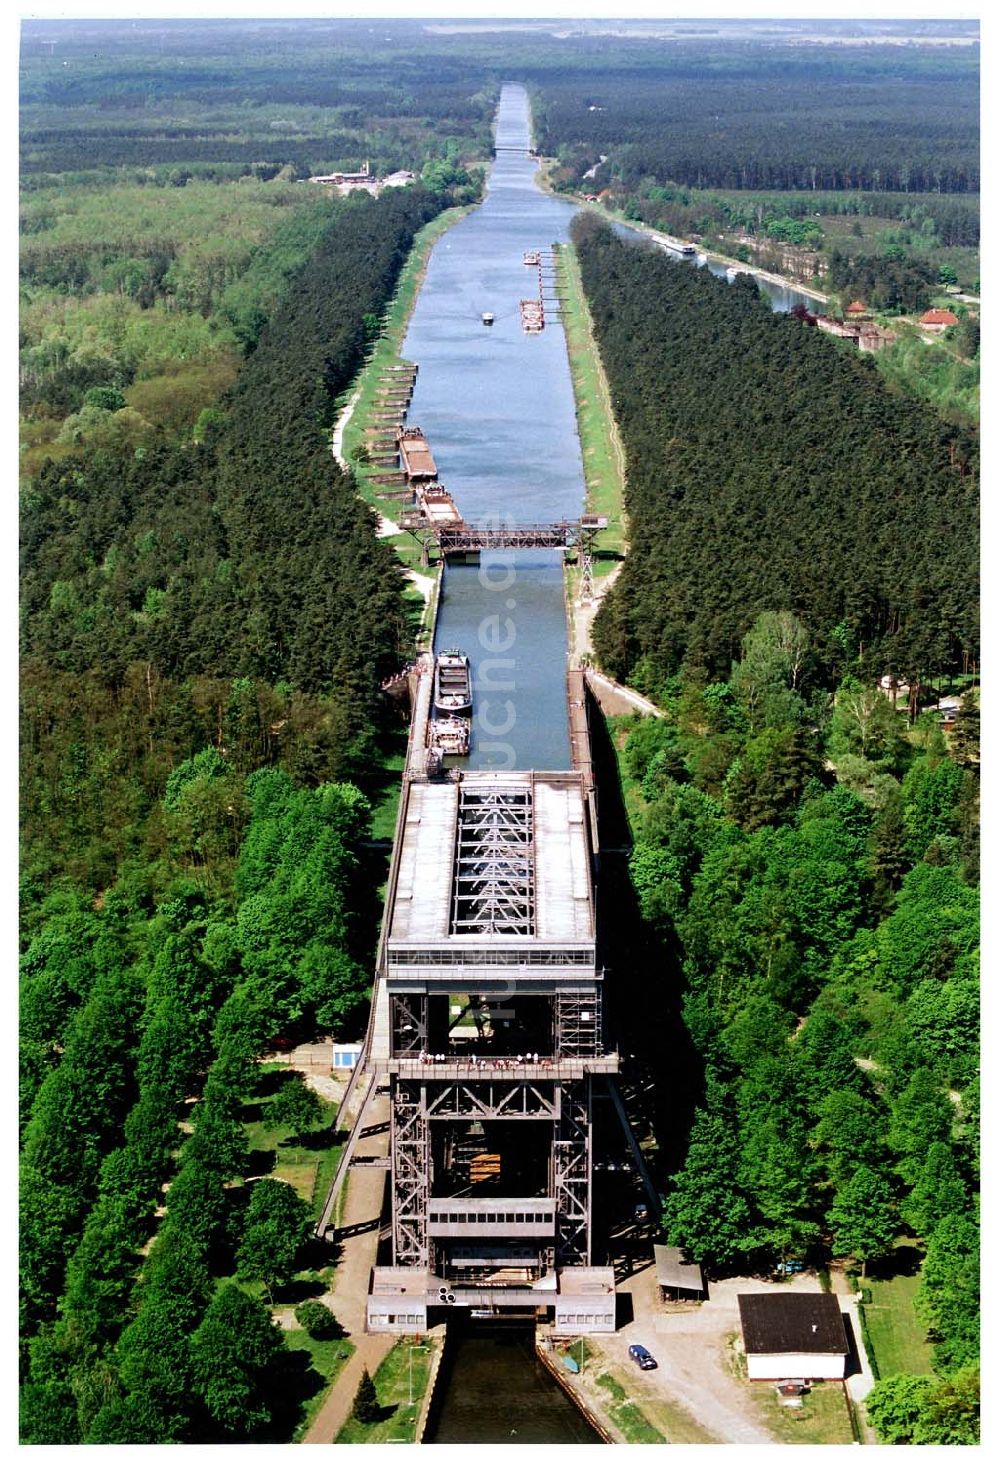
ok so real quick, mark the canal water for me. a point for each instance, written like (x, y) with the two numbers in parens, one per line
(495, 1390)
(497, 407)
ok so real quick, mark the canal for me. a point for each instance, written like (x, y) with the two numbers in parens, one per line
(493, 1389)
(497, 407)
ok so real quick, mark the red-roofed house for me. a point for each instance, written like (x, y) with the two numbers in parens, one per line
(937, 319)
(855, 311)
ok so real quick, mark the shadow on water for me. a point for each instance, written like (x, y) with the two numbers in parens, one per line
(493, 1389)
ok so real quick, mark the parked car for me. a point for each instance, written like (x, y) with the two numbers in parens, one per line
(790, 1266)
(640, 1213)
(645, 1360)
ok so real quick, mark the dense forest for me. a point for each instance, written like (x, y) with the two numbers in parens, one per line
(760, 117)
(744, 429)
(205, 626)
(164, 102)
(155, 576)
(805, 872)
(805, 857)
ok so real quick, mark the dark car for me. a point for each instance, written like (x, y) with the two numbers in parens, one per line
(643, 1357)
(640, 1213)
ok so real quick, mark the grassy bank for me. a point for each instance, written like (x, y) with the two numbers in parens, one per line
(385, 353)
(822, 1418)
(326, 1361)
(898, 1340)
(306, 1162)
(603, 456)
(625, 1414)
(400, 1384)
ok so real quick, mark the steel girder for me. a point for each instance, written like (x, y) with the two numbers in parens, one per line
(571, 1163)
(578, 1025)
(409, 1022)
(411, 1167)
(492, 1100)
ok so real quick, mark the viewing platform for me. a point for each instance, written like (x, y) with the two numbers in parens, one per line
(505, 1069)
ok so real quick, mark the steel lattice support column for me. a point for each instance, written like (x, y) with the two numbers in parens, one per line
(571, 1175)
(411, 1167)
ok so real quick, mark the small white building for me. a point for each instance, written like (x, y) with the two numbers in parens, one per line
(345, 1054)
(793, 1335)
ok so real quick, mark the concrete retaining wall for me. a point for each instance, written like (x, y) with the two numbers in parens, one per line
(615, 698)
(436, 1343)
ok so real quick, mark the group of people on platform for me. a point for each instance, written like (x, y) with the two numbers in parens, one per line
(485, 1062)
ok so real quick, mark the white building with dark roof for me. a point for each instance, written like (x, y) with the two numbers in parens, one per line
(793, 1335)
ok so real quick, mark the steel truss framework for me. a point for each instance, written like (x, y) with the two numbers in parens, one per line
(566, 1106)
(489, 1100)
(571, 1180)
(410, 1174)
(493, 889)
(409, 1022)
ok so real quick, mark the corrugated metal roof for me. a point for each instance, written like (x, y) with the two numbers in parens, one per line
(422, 904)
(562, 865)
(673, 1273)
(561, 897)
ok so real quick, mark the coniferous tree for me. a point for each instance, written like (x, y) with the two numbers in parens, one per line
(366, 1407)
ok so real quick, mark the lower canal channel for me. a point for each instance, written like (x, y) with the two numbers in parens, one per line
(494, 1389)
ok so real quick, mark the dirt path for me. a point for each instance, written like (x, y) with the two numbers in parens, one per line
(348, 1297)
(583, 617)
(337, 440)
(424, 584)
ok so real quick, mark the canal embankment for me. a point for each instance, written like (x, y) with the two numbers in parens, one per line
(603, 458)
(717, 262)
(356, 424)
(600, 441)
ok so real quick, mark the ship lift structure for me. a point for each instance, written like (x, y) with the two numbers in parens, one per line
(488, 1053)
